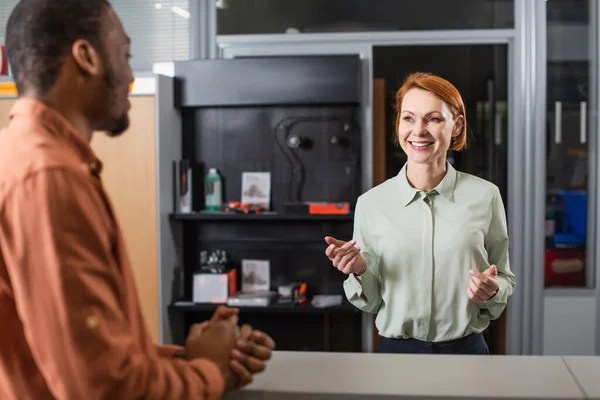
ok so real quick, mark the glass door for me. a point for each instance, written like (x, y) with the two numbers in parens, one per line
(480, 73)
(569, 101)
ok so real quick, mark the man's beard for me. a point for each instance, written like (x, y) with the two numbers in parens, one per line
(115, 126)
(118, 126)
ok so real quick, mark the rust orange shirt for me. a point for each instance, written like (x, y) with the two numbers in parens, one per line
(71, 325)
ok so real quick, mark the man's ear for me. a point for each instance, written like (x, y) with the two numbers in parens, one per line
(86, 57)
(458, 126)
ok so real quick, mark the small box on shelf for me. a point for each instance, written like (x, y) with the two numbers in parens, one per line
(214, 282)
(257, 299)
(187, 182)
(317, 208)
(214, 288)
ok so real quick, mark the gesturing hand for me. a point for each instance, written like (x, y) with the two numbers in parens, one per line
(345, 256)
(483, 285)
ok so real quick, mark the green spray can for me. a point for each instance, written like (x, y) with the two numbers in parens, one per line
(213, 189)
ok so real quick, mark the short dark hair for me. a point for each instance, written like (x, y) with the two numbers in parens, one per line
(40, 33)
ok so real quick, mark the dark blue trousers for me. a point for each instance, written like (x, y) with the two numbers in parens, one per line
(471, 344)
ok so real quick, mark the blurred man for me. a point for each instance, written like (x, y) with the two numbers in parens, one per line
(72, 327)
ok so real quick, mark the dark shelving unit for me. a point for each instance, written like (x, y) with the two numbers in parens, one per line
(237, 116)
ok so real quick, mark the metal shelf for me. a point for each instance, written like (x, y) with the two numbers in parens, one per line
(265, 216)
(275, 308)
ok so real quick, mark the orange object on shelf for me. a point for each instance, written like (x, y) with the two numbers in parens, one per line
(328, 208)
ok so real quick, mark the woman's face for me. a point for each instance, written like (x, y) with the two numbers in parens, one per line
(426, 126)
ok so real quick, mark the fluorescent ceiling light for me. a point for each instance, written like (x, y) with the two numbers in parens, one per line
(158, 6)
(180, 11)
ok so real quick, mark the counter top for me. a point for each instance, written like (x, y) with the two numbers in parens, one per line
(586, 371)
(314, 375)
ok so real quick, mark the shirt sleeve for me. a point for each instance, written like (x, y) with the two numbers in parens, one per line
(364, 291)
(57, 240)
(496, 244)
(168, 350)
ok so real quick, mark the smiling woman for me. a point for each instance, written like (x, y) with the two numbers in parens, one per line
(431, 117)
(430, 249)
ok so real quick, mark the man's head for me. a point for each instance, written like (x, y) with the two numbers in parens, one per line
(74, 54)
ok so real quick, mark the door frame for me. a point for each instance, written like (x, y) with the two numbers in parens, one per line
(525, 310)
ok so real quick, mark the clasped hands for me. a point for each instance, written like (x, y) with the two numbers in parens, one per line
(239, 352)
(346, 257)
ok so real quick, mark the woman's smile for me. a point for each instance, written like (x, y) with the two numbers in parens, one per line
(420, 145)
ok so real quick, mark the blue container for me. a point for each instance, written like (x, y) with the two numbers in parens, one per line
(573, 227)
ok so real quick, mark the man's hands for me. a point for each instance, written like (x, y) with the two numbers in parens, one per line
(483, 285)
(214, 340)
(249, 357)
(345, 256)
(239, 352)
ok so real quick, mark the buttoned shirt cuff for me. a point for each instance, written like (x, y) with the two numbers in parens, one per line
(353, 285)
(498, 297)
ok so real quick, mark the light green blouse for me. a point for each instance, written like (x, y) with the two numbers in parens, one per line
(419, 248)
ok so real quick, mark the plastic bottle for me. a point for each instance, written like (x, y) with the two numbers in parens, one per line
(213, 188)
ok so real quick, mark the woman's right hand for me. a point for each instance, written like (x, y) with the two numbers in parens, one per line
(345, 256)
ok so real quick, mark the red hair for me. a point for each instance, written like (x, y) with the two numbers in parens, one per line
(445, 91)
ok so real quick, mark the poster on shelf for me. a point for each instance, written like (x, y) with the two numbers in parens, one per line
(256, 189)
(256, 275)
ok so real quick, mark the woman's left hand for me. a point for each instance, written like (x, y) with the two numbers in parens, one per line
(483, 285)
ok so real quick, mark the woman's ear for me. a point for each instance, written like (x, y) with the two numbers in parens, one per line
(458, 125)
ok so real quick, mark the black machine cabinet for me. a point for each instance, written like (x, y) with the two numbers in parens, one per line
(297, 118)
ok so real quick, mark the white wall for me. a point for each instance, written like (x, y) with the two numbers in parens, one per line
(569, 324)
